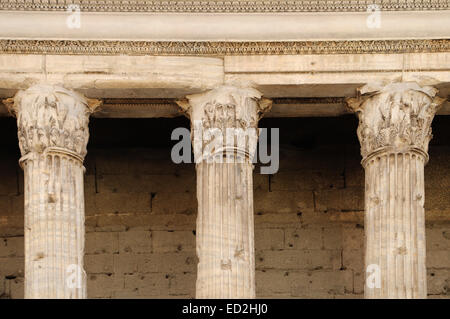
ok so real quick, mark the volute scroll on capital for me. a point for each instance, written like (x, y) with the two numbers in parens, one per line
(395, 117)
(51, 118)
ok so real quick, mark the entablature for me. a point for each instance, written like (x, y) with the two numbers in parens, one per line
(301, 85)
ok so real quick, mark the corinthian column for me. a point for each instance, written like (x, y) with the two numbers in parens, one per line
(53, 133)
(224, 131)
(394, 131)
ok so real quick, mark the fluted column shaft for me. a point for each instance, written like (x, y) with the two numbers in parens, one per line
(54, 226)
(53, 133)
(225, 235)
(225, 227)
(395, 219)
(394, 132)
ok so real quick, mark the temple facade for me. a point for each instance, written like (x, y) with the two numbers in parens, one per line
(225, 149)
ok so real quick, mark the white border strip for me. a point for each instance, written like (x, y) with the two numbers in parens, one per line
(224, 27)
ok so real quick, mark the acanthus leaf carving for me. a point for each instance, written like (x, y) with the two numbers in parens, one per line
(223, 108)
(395, 115)
(50, 116)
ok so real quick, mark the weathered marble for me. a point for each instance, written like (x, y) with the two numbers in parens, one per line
(225, 227)
(53, 134)
(394, 131)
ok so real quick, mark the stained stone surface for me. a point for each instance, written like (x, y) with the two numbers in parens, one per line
(53, 133)
(394, 131)
(225, 225)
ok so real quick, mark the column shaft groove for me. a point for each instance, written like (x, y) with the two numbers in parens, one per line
(395, 219)
(53, 133)
(225, 226)
(394, 132)
(225, 244)
(54, 227)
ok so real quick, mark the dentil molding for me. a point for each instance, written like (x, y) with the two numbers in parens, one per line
(220, 48)
(233, 6)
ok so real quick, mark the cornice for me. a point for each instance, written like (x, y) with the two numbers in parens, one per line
(233, 6)
(213, 48)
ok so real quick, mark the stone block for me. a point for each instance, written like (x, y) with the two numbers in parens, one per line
(304, 238)
(345, 199)
(333, 237)
(139, 183)
(148, 284)
(136, 242)
(182, 284)
(438, 259)
(438, 237)
(102, 243)
(353, 259)
(283, 202)
(438, 282)
(307, 180)
(173, 241)
(269, 239)
(12, 246)
(322, 284)
(122, 203)
(298, 259)
(99, 264)
(270, 282)
(174, 203)
(103, 285)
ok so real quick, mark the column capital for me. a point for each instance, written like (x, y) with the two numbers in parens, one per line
(225, 107)
(395, 117)
(51, 118)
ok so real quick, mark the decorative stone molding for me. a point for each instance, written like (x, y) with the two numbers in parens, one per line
(53, 133)
(225, 226)
(50, 116)
(394, 131)
(395, 116)
(224, 6)
(212, 48)
(226, 107)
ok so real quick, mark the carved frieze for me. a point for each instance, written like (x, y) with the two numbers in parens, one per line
(224, 6)
(209, 48)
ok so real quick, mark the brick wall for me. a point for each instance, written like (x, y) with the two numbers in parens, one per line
(309, 227)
